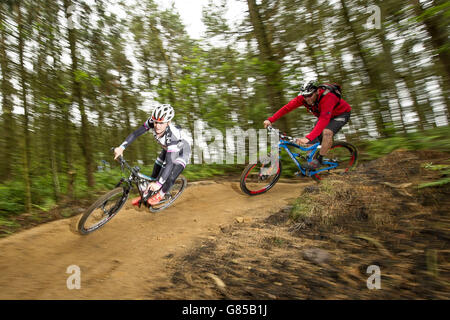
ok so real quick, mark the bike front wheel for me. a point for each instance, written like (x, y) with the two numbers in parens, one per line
(102, 211)
(260, 177)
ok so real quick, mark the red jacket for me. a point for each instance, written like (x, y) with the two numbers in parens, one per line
(324, 111)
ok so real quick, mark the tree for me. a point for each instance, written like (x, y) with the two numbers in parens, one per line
(24, 88)
(270, 64)
(7, 91)
(77, 97)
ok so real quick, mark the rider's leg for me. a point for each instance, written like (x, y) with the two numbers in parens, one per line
(333, 127)
(157, 197)
(318, 139)
(177, 169)
(327, 142)
(179, 164)
(176, 160)
(315, 163)
(159, 164)
(155, 174)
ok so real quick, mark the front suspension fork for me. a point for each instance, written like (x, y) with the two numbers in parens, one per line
(125, 185)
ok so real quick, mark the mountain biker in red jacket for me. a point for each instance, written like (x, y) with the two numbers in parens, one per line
(333, 113)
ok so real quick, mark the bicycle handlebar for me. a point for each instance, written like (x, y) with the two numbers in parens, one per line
(123, 162)
(282, 135)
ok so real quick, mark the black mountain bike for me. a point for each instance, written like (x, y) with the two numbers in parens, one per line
(106, 207)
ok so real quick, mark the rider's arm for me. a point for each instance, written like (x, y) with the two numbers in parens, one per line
(326, 109)
(138, 132)
(293, 104)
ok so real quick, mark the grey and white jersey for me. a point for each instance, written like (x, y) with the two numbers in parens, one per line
(174, 142)
(171, 140)
(171, 137)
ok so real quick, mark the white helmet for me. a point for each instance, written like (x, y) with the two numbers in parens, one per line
(163, 113)
(308, 88)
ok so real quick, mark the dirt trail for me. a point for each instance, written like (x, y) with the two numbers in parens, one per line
(127, 257)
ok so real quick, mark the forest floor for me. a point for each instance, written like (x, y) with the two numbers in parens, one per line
(300, 240)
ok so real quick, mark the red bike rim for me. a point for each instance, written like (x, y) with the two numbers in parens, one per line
(261, 190)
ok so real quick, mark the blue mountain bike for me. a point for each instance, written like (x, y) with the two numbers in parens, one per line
(260, 177)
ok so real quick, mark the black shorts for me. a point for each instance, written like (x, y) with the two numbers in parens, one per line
(334, 125)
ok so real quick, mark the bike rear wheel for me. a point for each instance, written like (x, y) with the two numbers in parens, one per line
(169, 198)
(102, 211)
(341, 152)
(260, 177)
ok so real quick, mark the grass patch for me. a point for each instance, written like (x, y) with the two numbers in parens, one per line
(438, 183)
(302, 209)
(444, 170)
(277, 242)
(8, 223)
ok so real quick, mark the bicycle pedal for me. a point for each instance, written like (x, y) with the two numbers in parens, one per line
(144, 200)
(299, 174)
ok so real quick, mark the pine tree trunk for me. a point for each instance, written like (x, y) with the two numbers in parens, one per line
(271, 66)
(416, 107)
(439, 40)
(393, 76)
(166, 58)
(23, 83)
(51, 151)
(9, 141)
(438, 36)
(126, 112)
(65, 131)
(78, 95)
(372, 74)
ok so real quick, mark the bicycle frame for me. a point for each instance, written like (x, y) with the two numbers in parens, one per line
(135, 175)
(284, 145)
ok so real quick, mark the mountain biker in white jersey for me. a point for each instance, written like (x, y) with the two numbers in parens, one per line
(173, 158)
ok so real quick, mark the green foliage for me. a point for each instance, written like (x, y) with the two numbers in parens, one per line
(437, 167)
(438, 183)
(81, 75)
(107, 180)
(434, 139)
(443, 8)
(443, 169)
(42, 189)
(7, 223)
(12, 197)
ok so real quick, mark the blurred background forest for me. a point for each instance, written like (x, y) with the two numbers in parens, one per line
(76, 79)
